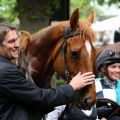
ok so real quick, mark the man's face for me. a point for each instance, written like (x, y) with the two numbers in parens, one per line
(11, 44)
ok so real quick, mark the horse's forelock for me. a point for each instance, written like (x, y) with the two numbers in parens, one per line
(86, 31)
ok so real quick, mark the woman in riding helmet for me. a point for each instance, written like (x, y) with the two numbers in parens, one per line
(108, 84)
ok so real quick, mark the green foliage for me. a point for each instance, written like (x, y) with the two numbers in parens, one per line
(109, 2)
(56, 3)
(59, 82)
(7, 10)
(53, 6)
(83, 5)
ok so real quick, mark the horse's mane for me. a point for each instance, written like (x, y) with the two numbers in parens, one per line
(58, 28)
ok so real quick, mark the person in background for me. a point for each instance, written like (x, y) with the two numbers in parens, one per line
(106, 39)
(21, 99)
(108, 84)
(116, 36)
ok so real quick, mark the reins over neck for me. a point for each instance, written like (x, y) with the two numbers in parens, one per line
(25, 63)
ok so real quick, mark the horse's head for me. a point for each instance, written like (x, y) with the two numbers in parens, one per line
(77, 54)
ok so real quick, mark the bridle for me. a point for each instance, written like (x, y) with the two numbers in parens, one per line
(25, 62)
(63, 49)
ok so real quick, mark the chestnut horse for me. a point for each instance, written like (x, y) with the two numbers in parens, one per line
(66, 48)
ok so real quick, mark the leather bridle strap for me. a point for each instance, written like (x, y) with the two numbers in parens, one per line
(26, 66)
(25, 63)
(19, 58)
(64, 50)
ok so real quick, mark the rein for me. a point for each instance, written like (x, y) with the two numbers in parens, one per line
(25, 63)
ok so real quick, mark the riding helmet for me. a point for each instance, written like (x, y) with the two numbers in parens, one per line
(107, 57)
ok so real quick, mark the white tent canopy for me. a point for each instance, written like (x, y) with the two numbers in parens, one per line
(108, 24)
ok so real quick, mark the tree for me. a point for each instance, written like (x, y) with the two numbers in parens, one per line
(83, 5)
(35, 14)
(109, 2)
(32, 14)
(7, 11)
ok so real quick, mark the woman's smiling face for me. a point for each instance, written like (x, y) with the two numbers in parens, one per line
(114, 71)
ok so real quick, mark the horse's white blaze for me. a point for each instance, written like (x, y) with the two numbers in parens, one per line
(88, 47)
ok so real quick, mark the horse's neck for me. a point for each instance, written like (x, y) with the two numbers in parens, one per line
(42, 71)
(41, 49)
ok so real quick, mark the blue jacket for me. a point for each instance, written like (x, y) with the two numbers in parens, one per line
(118, 92)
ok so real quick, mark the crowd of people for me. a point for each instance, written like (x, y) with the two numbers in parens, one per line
(21, 99)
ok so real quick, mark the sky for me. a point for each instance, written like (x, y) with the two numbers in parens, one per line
(112, 10)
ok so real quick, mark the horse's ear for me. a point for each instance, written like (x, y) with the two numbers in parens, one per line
(24, 41)
(74, 19)
(91, 16)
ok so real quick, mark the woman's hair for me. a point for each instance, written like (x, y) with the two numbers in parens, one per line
(102, 73)
(4, 28)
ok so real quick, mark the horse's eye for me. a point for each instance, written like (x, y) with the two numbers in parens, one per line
(74, 55)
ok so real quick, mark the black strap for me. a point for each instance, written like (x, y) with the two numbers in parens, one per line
(19, 58)
(26, 66)
(64, 115)
(24, 61)
(115, 113)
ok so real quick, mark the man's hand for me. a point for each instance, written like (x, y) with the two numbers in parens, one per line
(82, 80)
